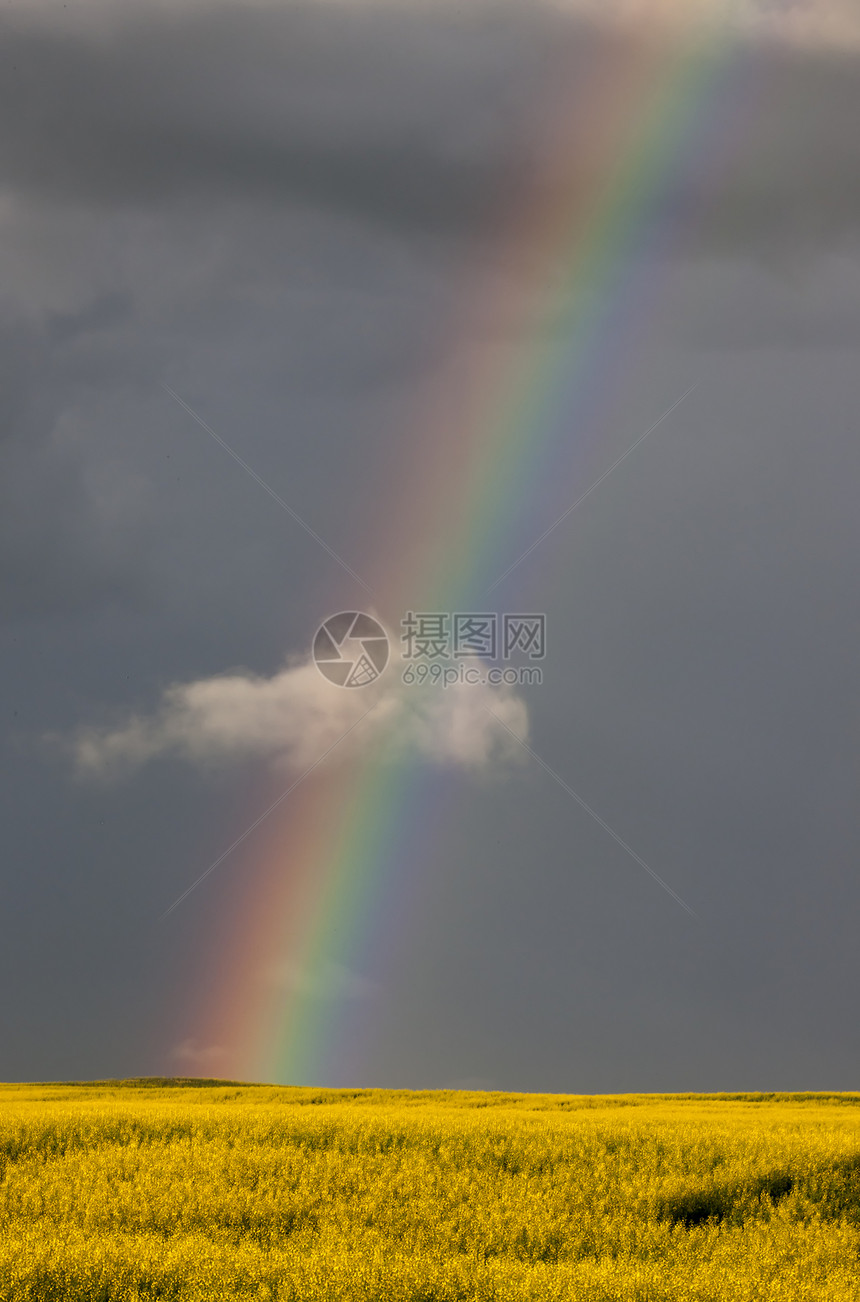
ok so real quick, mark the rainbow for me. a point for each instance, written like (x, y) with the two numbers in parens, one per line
(338, 872)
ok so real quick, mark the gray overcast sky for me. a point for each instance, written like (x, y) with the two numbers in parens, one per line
(277, 211)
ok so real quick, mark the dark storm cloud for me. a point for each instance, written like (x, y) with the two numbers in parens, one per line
(281, 214)
(419, 119)
(402, 119)
(789, 181)
(68, 536)
(104, 313)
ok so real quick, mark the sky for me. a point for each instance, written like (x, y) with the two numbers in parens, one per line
(285, 214)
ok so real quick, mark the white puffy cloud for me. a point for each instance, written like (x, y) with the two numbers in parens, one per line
(296, 716)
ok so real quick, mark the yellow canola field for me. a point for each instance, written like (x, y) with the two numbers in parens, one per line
(180, 1191)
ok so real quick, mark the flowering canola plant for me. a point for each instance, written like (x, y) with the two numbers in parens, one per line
(193, 1191)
